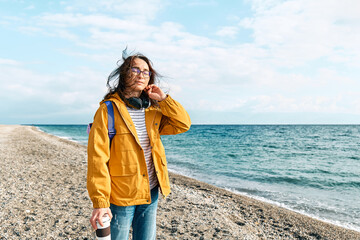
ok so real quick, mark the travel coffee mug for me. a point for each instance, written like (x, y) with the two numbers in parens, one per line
(103, 233)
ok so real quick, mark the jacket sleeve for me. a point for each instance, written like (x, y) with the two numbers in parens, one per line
(175, 119)
(98, 177)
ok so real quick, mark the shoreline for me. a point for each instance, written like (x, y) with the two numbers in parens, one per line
(309, 227)
(54, 179)
(266, 201)
(278, 204)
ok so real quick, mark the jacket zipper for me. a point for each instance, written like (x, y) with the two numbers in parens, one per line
(140, 147)
(164, 197)
(157, 133)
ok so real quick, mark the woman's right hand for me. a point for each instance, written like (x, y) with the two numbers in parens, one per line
(97, 215)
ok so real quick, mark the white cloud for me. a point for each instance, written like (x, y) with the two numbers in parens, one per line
(308, 104)
(17, 82)
(299, 31)
(75, 90)
(30, 30)
(8, 62)
(228, 31)
(278, 72)
(72, 20)
(30, 7)
(137, 10)
(200, 63)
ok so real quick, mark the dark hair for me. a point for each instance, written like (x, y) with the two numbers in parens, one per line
(121, 75)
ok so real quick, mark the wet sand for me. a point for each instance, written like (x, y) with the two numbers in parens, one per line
(43, 196)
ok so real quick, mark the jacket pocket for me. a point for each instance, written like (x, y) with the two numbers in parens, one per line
(123, 141)
(123, 170)
(122, 129)
(124, 182)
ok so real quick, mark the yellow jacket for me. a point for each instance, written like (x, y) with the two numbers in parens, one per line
(118, 175)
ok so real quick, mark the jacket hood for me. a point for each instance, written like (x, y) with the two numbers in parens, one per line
(114, 98)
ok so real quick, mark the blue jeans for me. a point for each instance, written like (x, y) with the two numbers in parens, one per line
(141, 217)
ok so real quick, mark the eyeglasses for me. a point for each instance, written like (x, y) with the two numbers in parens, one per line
(137, 71)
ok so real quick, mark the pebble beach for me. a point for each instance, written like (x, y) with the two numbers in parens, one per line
(43, 196)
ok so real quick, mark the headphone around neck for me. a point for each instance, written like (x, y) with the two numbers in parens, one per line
(138, 102)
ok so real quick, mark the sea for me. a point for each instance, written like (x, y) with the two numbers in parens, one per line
(310, 169)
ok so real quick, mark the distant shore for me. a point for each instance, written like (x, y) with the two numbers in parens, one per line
(43, 195)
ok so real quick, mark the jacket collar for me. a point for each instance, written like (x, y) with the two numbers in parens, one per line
(124, 114)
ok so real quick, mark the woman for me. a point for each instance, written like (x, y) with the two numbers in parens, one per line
(124, 179)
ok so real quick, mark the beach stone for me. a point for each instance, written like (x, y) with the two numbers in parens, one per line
(43, 196)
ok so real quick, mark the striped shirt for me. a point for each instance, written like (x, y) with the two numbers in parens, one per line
(138, 118)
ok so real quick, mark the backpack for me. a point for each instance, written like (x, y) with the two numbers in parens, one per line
(111, 121)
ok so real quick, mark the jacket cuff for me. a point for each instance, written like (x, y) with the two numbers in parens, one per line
(166, 101)
(99, 203)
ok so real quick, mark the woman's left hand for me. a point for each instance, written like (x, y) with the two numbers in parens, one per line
(154, 92)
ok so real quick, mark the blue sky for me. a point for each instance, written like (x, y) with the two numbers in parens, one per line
(242, 62)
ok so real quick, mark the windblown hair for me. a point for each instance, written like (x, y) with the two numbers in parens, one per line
(119, 80)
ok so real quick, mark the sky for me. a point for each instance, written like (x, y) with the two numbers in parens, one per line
(226, 62)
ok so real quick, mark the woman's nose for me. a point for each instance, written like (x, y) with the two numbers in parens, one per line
(141, 75)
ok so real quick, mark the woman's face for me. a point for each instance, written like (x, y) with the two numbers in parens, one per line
(139, 77)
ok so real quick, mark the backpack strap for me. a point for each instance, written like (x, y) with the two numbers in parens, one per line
(111, 120)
